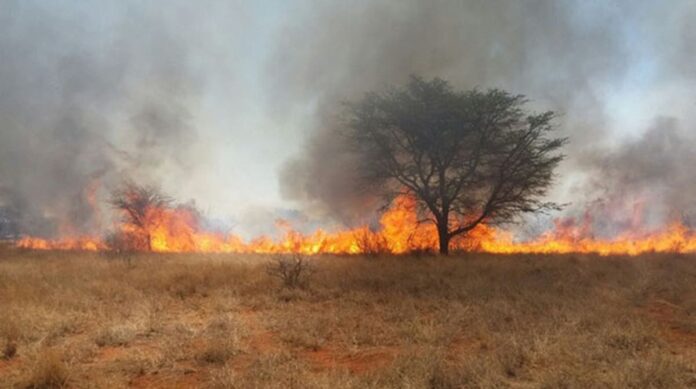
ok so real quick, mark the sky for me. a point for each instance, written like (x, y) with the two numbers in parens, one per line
(232, 103)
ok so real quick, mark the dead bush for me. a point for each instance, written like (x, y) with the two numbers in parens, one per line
(293, 270)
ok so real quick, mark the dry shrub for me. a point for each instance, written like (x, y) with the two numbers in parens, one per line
(8, 326)
(371, 244)
(415, 370)
(10, 331)
(120, 243)
(11, 334)
(655, 372)
(513, 359)
(304, 329)
(118, 251)
(277, 370)
(293, 270)
(185, 285)
(49, 372)
(117, 335)
(445, 375)
(218, 351)
(223, 340)
(10, 349)
(136, 363)
(225, 378)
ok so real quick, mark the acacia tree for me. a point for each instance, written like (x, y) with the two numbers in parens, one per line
(135, 202)
(467, 156)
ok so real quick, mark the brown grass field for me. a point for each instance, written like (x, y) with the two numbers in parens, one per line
(84, 320)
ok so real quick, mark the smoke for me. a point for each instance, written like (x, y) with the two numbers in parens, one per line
(167, 92)
(653, 174)
(90, 95)
(582, 59)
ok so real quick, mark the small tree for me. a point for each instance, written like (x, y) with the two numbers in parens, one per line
(136, 204)
(467, 157)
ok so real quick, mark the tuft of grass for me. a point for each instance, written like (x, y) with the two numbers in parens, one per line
(10, 349)
(223, 337)
(225, 378)
(217, 352)
(117, 335)
(49, 372)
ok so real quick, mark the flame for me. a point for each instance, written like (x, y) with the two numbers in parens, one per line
(178, 229)
(83, 243)
(676, 238)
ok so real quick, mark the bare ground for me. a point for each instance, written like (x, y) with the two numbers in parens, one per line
(219, 321)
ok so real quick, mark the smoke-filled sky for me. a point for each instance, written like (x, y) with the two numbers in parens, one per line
(233, 103)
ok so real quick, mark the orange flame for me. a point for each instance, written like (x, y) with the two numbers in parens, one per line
(178, 230)
(83, 243)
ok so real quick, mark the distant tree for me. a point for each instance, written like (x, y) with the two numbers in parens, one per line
(467, 156)
(136, 203)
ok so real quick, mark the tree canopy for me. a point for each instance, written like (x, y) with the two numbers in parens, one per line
(467, 156)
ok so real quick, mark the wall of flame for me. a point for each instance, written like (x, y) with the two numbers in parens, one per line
(177, 230)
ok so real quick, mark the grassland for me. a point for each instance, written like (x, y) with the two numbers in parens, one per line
(89, 321)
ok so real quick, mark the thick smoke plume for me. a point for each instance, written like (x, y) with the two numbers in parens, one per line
(90, 95)
(575, 57)
(169, 92)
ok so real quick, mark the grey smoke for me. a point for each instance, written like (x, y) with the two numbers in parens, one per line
(565, 55)
(654, 174)
(168, 92)
(88, 93)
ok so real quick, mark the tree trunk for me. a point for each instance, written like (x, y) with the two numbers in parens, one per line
(444, 238)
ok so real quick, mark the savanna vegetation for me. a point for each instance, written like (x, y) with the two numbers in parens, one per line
(467, 157)
(86, 320)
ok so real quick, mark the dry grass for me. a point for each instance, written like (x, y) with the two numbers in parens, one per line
(48, 372)
(83, 320)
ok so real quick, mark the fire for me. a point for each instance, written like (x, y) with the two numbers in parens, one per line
(84, 243)
(676, 238)
(177, 229)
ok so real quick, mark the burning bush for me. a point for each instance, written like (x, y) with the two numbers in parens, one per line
(370, 243)
(137, 206)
